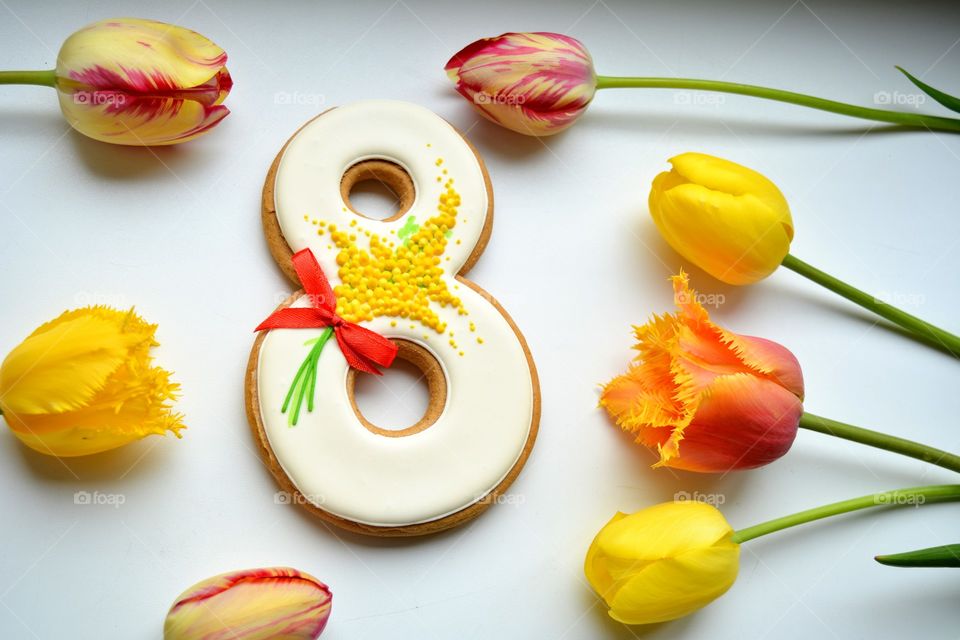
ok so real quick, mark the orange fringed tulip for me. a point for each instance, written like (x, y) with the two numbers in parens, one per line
(662, 562)
(707, 399)
(84, 383)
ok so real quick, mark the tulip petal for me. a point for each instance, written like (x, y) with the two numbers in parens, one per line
(735, 238)
(663, 530)
(717, 174)
(674, 587)
(138, 57)
(61, 367)
(140, 121)
(772, 359)
(133, 404)
(743, 422)
(594, 565)
(257, 604)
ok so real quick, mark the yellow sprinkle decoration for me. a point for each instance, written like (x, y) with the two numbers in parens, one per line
(400, 281)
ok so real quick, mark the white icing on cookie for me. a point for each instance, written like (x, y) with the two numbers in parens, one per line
(332, 459)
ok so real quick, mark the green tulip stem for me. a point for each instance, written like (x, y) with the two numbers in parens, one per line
(879, 440)
(928, 333)
(43, 78)
(882, 115)
(915, 496)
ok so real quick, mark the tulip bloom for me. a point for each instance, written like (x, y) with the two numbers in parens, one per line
(730, 221)
(710, 400)
(256, 604)
(705, 398)
(735, 224)
(532, 83)
(671, 559)
(84, 383)
(662, 562)
(539, 83)
(137, 82)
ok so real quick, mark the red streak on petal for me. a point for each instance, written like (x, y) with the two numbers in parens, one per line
(255, 575)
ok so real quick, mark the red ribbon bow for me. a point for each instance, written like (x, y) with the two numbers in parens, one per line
(362, 348)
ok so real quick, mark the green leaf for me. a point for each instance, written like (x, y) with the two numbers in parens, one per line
(945, 99)
(945, 556)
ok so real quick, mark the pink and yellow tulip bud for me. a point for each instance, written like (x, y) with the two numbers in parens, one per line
(139, 82)
(537, 84)
(84, 383)
(663, 562)
(727, 219)
(256, 604)
(705, 398)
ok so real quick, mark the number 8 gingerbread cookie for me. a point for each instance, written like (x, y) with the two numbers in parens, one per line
(373, 290)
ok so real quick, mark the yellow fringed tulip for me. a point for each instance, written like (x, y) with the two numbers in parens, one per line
(83, 383)
(662, 562)
(727, 219)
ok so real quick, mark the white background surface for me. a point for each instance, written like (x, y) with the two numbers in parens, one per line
(573, 257)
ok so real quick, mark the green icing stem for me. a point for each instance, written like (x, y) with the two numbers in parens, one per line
(305, 381)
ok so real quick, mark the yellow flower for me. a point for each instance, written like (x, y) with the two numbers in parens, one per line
(83, 383)
(727, 219)
(663, 562)
(140, 82)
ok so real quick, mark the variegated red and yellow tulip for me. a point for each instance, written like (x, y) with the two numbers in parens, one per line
(254, 604)
(539, 83)
(705, 398)
(533, 83)
(140, 82)
(84, 383)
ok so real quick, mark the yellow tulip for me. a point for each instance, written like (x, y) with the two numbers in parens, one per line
(83, 383)
(140, 82)
(727, 219)
(662, 562)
